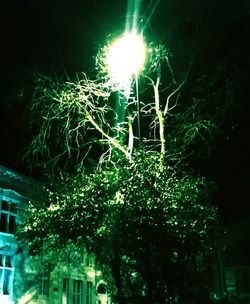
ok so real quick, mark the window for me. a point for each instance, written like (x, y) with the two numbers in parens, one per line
(44, 281)
(8, 217)
(77, 292)
(44, 286)
(6, 274)
(65, 291)
(89, 292)
(66, 285)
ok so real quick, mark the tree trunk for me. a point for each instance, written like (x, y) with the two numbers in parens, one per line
(116, 270)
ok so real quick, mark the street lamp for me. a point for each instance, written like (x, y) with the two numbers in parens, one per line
(125, 58)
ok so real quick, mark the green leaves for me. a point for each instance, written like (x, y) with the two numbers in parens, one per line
(157, 217)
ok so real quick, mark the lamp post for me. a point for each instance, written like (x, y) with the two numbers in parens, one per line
(125, 59)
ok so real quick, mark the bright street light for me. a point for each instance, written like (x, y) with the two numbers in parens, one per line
(125, 58)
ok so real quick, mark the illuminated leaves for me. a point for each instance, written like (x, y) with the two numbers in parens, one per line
(138, 201)
(149, 217)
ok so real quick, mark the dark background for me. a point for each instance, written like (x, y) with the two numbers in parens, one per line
(53, 35)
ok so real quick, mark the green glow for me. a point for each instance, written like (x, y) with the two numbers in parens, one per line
(125, 58)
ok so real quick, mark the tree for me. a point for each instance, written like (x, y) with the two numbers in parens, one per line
(139, 208)
(139, 220)
(76, 120)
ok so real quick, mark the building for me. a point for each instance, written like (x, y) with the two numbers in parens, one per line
(237, 279)
(34, 280)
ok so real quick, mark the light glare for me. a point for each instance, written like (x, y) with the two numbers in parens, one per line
(125, 58)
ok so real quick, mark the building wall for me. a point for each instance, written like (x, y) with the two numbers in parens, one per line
(9, 206)
(63, 284)
(25, 279)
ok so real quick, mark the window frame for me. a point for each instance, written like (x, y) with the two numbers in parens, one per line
(77, 292)
(6, 274)
(89, 289)
(9, 212)
(65, 290)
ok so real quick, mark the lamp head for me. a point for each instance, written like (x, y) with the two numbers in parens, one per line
(125, 58)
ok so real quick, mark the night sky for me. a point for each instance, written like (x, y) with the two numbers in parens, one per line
(53, 35)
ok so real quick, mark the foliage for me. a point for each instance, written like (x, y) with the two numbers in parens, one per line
(152, 225)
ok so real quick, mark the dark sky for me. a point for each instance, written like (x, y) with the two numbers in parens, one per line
(57, 35)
